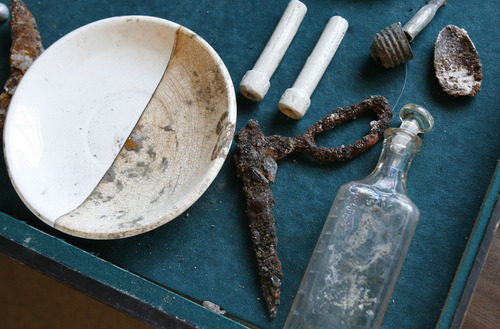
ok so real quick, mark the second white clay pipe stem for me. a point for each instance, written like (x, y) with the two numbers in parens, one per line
(296, 100)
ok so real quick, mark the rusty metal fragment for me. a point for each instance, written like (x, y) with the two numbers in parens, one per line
(391, 46)
(255, 159)
(26, 47)
(457, 63)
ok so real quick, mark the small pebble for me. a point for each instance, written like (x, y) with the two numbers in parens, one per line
(213, 307)
(4, 13)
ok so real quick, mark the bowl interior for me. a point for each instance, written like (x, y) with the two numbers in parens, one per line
(119, 127)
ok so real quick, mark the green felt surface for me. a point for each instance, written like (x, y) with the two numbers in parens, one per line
(206, 253)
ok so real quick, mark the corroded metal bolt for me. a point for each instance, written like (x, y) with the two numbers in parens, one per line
(4, 13)
(391, 46)
(255, 82)
(296, 100)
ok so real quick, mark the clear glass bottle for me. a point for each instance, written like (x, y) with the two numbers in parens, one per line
(361, 249)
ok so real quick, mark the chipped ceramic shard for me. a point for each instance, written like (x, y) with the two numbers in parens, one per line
(126, 140)
(26, 47)
(256, 159)
(457, 63)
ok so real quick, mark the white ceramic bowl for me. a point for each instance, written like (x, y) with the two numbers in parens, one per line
(119, 127)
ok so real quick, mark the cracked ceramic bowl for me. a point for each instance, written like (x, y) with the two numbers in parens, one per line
(119, 127)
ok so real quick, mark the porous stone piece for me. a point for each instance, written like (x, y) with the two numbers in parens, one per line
(457, 63)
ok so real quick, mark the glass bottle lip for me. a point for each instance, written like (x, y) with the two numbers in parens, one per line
(389, 132)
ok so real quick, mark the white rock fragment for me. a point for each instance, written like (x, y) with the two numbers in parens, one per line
(213, 307)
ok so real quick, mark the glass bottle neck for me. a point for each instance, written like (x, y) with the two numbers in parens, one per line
(399, 148)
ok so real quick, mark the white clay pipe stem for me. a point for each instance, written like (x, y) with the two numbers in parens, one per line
(255, 82)
(296, 100)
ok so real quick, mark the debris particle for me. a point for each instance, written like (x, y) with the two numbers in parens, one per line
(213, 307)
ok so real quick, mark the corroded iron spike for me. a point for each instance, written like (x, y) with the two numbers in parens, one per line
(26, 47)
